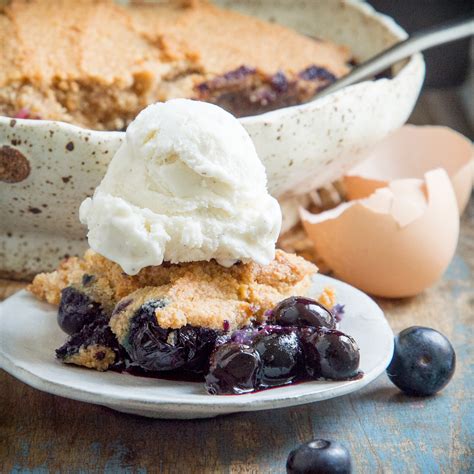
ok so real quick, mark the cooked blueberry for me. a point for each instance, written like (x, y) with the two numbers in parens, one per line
(151, 306)
(200, 342)
(299, 311)
(76, 310)
(319, 457)
(423, 361)
(330, 354)
(281, 358)
(96, 333)
(239, 73)
(279, 82)
(313, 73)
(156, 349)
(233, 369)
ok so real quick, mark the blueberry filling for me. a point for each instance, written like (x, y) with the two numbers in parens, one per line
(87, 279)
(287, 354)
(299, 342)
(338, 312)
(77, 310)
(97, 333)
(279, 82)
(247, 91)
(313, 73)
(122, 305)
(154, 348)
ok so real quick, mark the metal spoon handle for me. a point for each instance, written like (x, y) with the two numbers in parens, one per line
(419, 41)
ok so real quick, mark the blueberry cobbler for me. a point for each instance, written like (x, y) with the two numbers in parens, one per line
(238, 329)
(96, 64)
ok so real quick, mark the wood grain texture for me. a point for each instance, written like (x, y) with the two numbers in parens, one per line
(384, 430)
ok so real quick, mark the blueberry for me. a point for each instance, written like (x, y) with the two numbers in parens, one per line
(96, 333)
(319, 456)
(299, 311)
(199, 342)
(423, 361)
(154, 348)
(281, 358)
(330, 354)
(313, 73)
(77, 310)
(279, 82)
(233, 369)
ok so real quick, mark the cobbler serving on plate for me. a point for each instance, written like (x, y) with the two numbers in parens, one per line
(183, 277)
(240, 328)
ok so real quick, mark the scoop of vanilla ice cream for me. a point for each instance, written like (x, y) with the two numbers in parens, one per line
(185, 185)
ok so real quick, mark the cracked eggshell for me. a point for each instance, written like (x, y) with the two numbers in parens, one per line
(410, 152)
(395, 243)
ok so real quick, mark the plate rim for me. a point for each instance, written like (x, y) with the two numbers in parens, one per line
(205, 407)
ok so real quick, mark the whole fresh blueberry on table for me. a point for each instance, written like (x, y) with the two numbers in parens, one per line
(423, 361)
(319, 457)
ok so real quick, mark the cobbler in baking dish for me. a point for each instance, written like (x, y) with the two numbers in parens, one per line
(97, 64)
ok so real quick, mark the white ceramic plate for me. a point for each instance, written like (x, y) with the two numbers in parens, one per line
(29, 334)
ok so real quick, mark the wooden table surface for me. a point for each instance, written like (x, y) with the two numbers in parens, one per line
(385, 430)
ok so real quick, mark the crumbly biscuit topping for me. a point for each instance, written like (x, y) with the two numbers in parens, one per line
(198, 293)
(96, 63)
(94, 357)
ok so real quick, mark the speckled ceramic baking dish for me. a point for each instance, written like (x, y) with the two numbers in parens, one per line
(47, 168)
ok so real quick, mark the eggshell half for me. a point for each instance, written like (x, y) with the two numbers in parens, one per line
(410, 152)
(395, 243)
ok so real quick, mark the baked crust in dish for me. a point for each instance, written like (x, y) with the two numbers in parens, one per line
(97, 64)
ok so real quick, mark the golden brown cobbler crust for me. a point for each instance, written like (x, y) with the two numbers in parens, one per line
(198, 293)
(96, 63)
(87, 357)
